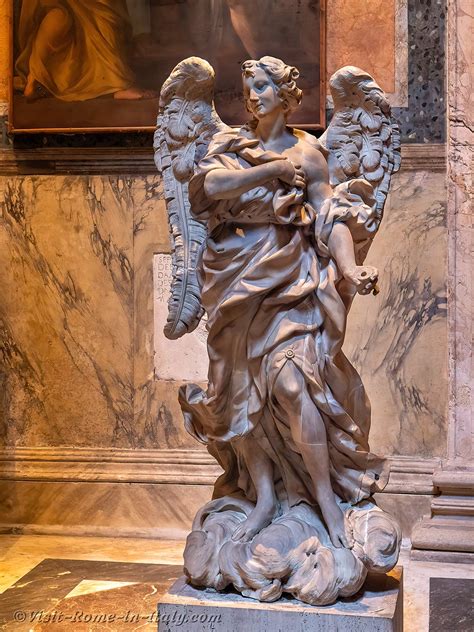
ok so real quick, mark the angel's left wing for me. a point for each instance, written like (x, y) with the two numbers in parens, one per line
(186, 123)
(363, 139)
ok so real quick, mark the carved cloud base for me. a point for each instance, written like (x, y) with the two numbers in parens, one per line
(292, 555)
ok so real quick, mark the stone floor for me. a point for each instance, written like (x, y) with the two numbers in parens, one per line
(48, 583)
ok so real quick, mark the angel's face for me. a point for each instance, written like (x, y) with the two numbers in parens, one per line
(261, 94)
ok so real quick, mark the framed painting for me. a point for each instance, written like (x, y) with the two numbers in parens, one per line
(97, 65)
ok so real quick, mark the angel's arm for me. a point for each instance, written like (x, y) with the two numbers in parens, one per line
(226, 184)
(340, 242)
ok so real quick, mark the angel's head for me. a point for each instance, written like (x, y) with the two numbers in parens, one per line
(269, 85)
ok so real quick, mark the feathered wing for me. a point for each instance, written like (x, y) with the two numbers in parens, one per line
(363, 139)
(187, 121)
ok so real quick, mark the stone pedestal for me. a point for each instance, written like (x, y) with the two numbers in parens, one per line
(378, 608)
(447, 533)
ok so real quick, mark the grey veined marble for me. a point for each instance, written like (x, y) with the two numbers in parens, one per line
(270, 229)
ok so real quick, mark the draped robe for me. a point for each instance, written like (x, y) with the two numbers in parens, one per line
(92, 58)
(273, 295)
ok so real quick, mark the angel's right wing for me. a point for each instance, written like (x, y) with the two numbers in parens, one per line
(187, 121)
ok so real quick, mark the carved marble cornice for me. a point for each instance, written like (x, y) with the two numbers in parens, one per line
(429, 157)
(78, 161)
(409, 475)
(139, 160)
(183, 467)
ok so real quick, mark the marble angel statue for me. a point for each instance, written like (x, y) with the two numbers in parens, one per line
(270, 228)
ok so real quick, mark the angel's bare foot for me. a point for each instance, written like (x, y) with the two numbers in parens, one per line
(135, 94)
(259, 518)
(334, 519)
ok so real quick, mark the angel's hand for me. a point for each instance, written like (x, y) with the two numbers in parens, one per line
(291, 174)
(363, 277)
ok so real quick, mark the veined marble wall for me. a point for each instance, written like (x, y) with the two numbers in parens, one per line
(398, 339)
(76, 313)
(77, 316)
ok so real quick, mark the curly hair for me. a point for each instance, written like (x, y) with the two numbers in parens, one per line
(283, 76)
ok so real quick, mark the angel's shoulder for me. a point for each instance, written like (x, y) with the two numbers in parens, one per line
(310, 140)
(311, 157)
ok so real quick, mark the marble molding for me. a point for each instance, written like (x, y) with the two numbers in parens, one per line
(171, 485)
(119, 160)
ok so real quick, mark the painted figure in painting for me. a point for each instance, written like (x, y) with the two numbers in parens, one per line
(76, 50)
(270, 229)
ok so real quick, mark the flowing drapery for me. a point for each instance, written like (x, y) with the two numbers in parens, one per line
(273, 295)
(91, 59)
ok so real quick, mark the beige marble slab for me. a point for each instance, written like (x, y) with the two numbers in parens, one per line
(66, 246)
(363, 36)
(129, 509)
(77, 315)
(398, 339)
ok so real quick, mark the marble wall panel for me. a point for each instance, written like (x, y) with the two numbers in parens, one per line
(76, 315)
(398, 339)
(66, 277)
(111, 509)
(66, 310)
